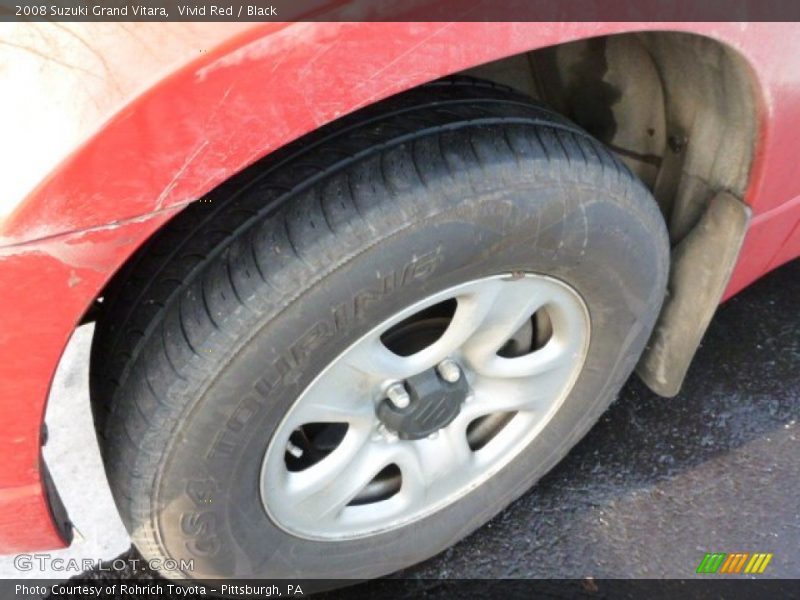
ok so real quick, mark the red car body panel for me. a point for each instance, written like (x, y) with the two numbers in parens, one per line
(184, 119)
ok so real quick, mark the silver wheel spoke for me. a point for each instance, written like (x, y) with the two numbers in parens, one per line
(374, 358)
(470, 315)
(536, 364)
(510, 305)
(338, 396)
(447, 452)
(317, 477)
(414, 481)
(332, 486)
(514, 395)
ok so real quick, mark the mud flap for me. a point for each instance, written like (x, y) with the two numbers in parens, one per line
(701, 266)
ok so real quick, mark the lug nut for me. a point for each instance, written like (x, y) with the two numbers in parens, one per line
(398, 395)
(449, 371)
(384, 433)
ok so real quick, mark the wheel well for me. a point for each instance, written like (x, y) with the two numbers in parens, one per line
(679, 109)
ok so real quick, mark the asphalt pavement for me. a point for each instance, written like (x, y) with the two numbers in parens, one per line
(653, 487)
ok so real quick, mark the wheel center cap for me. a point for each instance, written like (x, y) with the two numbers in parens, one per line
(434, 403)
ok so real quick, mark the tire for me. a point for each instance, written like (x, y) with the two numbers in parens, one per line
(222, 320)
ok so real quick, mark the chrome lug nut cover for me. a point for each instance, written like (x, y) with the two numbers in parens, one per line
(448, 370)
(398, 395)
